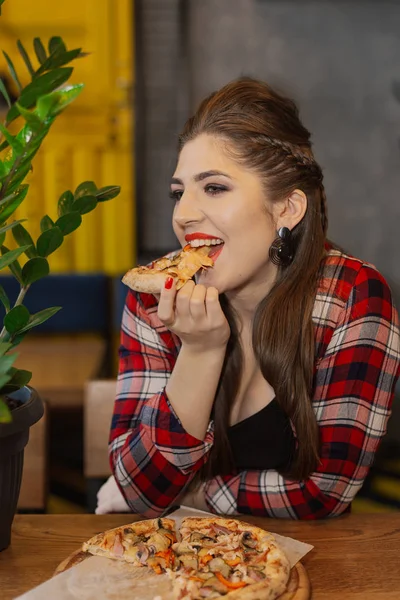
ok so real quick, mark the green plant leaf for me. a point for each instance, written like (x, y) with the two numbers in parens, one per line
(49, 241)
(23, 238)
(108, 192)
(19, 177)
(19, 378)
(5, 414)
(65, 203)
(69, 222)
(4, 347)
(6, 362)
(40, 50)
(12, 205)
(56, 43)
(4, 298)
(11, 225)
(4, 169)
(12, 70)
(50, 105)
(16, 145)
(14, 267)
(30, 117)
(40, 317)
(2, 238)
(85, 204)
(16, 318)
(43, 84)
(34, 269)
(46, 223)
(11, 255)
(3, 90)
(86, 188)
(17, 339)
(58, 59)
(25, 58)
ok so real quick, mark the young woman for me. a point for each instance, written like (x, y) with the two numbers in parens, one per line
(264, 387)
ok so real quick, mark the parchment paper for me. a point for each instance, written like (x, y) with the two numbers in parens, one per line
(98, 578)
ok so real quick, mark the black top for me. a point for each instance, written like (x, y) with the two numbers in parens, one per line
(263, 441)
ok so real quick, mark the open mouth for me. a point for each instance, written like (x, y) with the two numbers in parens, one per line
(216, 251)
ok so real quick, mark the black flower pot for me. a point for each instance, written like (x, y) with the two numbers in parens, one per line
(13, 439)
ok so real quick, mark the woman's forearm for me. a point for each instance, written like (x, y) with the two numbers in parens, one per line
(192, 387)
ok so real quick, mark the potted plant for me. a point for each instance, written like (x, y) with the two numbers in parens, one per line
(27, 122)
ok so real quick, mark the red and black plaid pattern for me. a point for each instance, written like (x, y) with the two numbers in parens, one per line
(357, 338)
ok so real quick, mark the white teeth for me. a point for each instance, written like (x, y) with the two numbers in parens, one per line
(209, 242)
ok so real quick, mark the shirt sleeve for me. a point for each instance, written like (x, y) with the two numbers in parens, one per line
(152, 456)
(354, 388)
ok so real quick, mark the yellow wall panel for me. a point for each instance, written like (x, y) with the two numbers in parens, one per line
(92, 140)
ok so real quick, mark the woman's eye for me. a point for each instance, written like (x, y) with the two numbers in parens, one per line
(213, 190)
(175, 195)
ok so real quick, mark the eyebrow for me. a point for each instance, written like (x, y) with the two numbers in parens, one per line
(201, 176)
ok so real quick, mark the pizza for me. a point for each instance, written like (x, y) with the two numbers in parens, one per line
(207, 557)
(181, 266)
(144, 543)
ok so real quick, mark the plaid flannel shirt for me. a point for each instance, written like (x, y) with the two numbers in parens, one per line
(153, 458)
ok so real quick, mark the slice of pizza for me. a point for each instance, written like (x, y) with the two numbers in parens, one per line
(227, 558)
(181, 266)
(144, 543)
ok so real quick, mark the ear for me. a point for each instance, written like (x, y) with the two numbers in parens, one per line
(290, 211)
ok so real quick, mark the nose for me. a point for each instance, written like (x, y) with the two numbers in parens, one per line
(187, 211)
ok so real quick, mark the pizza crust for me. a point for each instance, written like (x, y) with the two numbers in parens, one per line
(148, 283)
(181, 267)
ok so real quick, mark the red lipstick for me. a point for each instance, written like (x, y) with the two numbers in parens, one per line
(200, 236)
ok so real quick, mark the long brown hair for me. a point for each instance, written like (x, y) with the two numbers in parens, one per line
(261, 130)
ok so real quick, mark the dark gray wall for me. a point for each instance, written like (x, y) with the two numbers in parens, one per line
(336, 59)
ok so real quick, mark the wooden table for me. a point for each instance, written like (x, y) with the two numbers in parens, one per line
(356, 557)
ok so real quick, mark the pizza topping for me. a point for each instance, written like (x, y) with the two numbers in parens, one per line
(256, 574)
(118, 549)
(221, 529)
(219, 565)
(247, 540)
(233, 585)
(189, 561)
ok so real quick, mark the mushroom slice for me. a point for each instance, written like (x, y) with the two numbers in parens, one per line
(247, 540)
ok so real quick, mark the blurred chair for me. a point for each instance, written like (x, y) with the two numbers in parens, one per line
(34, 485)
(98, 407)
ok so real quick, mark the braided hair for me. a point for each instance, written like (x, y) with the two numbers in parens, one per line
(261, 130)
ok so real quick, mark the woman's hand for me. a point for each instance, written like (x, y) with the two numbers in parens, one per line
(195, 315)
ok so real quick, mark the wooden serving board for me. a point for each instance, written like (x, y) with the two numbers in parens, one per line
(299, 587)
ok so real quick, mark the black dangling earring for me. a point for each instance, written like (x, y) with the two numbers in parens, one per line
(281, 251)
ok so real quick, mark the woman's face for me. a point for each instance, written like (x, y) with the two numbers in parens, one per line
(218, 198)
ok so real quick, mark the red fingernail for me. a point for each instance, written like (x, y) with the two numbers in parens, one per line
(168, 283)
